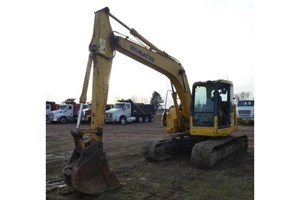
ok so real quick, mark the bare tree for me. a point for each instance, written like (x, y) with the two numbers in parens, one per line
(116, 98)
(143, 100)
(134, 99)
(244, 96)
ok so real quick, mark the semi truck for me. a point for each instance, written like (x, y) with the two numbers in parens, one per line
(245, 111)
(87, 112)
(125, 111)
(66, 112)
(50, 106)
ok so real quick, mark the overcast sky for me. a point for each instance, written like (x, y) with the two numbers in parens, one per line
(212, 39)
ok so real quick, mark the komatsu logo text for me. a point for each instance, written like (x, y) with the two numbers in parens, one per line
(139, 52)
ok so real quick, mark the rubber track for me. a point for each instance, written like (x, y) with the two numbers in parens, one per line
(166, 147)
(207, 153)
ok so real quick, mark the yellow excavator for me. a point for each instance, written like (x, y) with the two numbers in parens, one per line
(202, 121)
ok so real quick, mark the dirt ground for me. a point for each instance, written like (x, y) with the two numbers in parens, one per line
(176, 178)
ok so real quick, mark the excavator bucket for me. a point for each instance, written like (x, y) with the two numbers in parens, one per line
(88, 171)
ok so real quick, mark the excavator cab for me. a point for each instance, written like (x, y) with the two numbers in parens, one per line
(212, 108)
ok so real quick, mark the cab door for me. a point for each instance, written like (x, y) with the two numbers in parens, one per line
(69, 111)
(127, 110)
